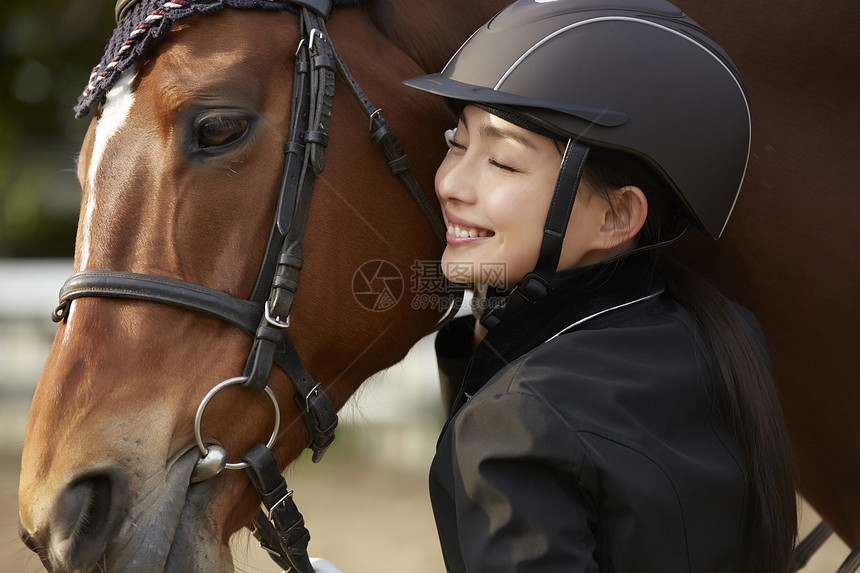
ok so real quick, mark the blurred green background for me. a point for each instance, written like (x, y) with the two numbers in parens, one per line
(47, 50)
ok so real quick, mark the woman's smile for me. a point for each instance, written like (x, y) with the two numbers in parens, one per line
(465, 233)
(460, 229)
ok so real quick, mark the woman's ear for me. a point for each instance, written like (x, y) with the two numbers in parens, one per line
(625, 217)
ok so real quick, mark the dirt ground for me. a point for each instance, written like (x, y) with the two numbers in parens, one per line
(363, 516)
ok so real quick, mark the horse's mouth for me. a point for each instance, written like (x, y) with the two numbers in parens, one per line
(181, 535)
(194, 548)
(167, 527)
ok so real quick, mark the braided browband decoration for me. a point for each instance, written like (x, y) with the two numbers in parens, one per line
(143, 23)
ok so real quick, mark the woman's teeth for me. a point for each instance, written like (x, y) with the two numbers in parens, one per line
(465, 233)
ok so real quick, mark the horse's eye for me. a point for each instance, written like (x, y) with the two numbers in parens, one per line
(218, 130)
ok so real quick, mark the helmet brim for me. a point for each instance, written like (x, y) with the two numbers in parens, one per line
(439, 84)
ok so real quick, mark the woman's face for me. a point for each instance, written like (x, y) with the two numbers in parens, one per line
(495, 187)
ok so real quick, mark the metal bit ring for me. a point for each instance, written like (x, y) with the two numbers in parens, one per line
(199, 417)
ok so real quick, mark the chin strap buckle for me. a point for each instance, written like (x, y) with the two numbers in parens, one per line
(532, 288)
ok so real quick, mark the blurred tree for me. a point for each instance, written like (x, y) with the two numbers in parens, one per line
(47, 50)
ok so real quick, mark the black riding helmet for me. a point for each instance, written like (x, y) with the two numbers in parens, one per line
(632, 75)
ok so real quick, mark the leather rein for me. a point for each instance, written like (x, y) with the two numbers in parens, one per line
(280, 530)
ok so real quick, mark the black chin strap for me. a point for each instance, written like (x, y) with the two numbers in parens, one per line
(536, 284)
(560, 208)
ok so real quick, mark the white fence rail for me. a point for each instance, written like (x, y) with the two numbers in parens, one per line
(28, 294)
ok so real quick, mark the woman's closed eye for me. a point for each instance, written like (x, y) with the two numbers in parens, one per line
(450, 136)
(504, 167)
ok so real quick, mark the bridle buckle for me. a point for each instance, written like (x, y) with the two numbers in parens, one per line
(275, 321)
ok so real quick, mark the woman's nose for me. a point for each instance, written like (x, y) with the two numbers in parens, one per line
(455, 180)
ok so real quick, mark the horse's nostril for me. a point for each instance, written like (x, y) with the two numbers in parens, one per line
(85, 516)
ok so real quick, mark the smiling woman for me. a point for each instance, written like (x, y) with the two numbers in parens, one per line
(613, 402)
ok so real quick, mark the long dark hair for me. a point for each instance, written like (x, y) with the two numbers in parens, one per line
(748, 397)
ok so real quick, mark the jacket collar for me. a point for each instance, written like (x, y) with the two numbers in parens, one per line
(579, 296)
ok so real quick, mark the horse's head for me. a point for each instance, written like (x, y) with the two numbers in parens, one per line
(181, 170)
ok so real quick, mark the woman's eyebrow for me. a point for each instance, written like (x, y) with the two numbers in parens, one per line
(497, 132)
(506, 133)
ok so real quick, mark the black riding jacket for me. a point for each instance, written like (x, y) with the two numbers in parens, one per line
(586, 438)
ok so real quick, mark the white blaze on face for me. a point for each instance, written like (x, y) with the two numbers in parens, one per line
(117, 107)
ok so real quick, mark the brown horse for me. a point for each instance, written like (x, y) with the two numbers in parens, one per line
(110, 441)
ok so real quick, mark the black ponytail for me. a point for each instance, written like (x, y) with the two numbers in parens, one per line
(748, 397)
(749, 400)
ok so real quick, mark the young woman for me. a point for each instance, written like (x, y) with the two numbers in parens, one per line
(618, 413)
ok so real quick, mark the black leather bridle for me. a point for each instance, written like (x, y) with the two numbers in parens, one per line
(266, 313)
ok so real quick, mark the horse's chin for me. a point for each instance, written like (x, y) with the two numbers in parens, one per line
(171, 530)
